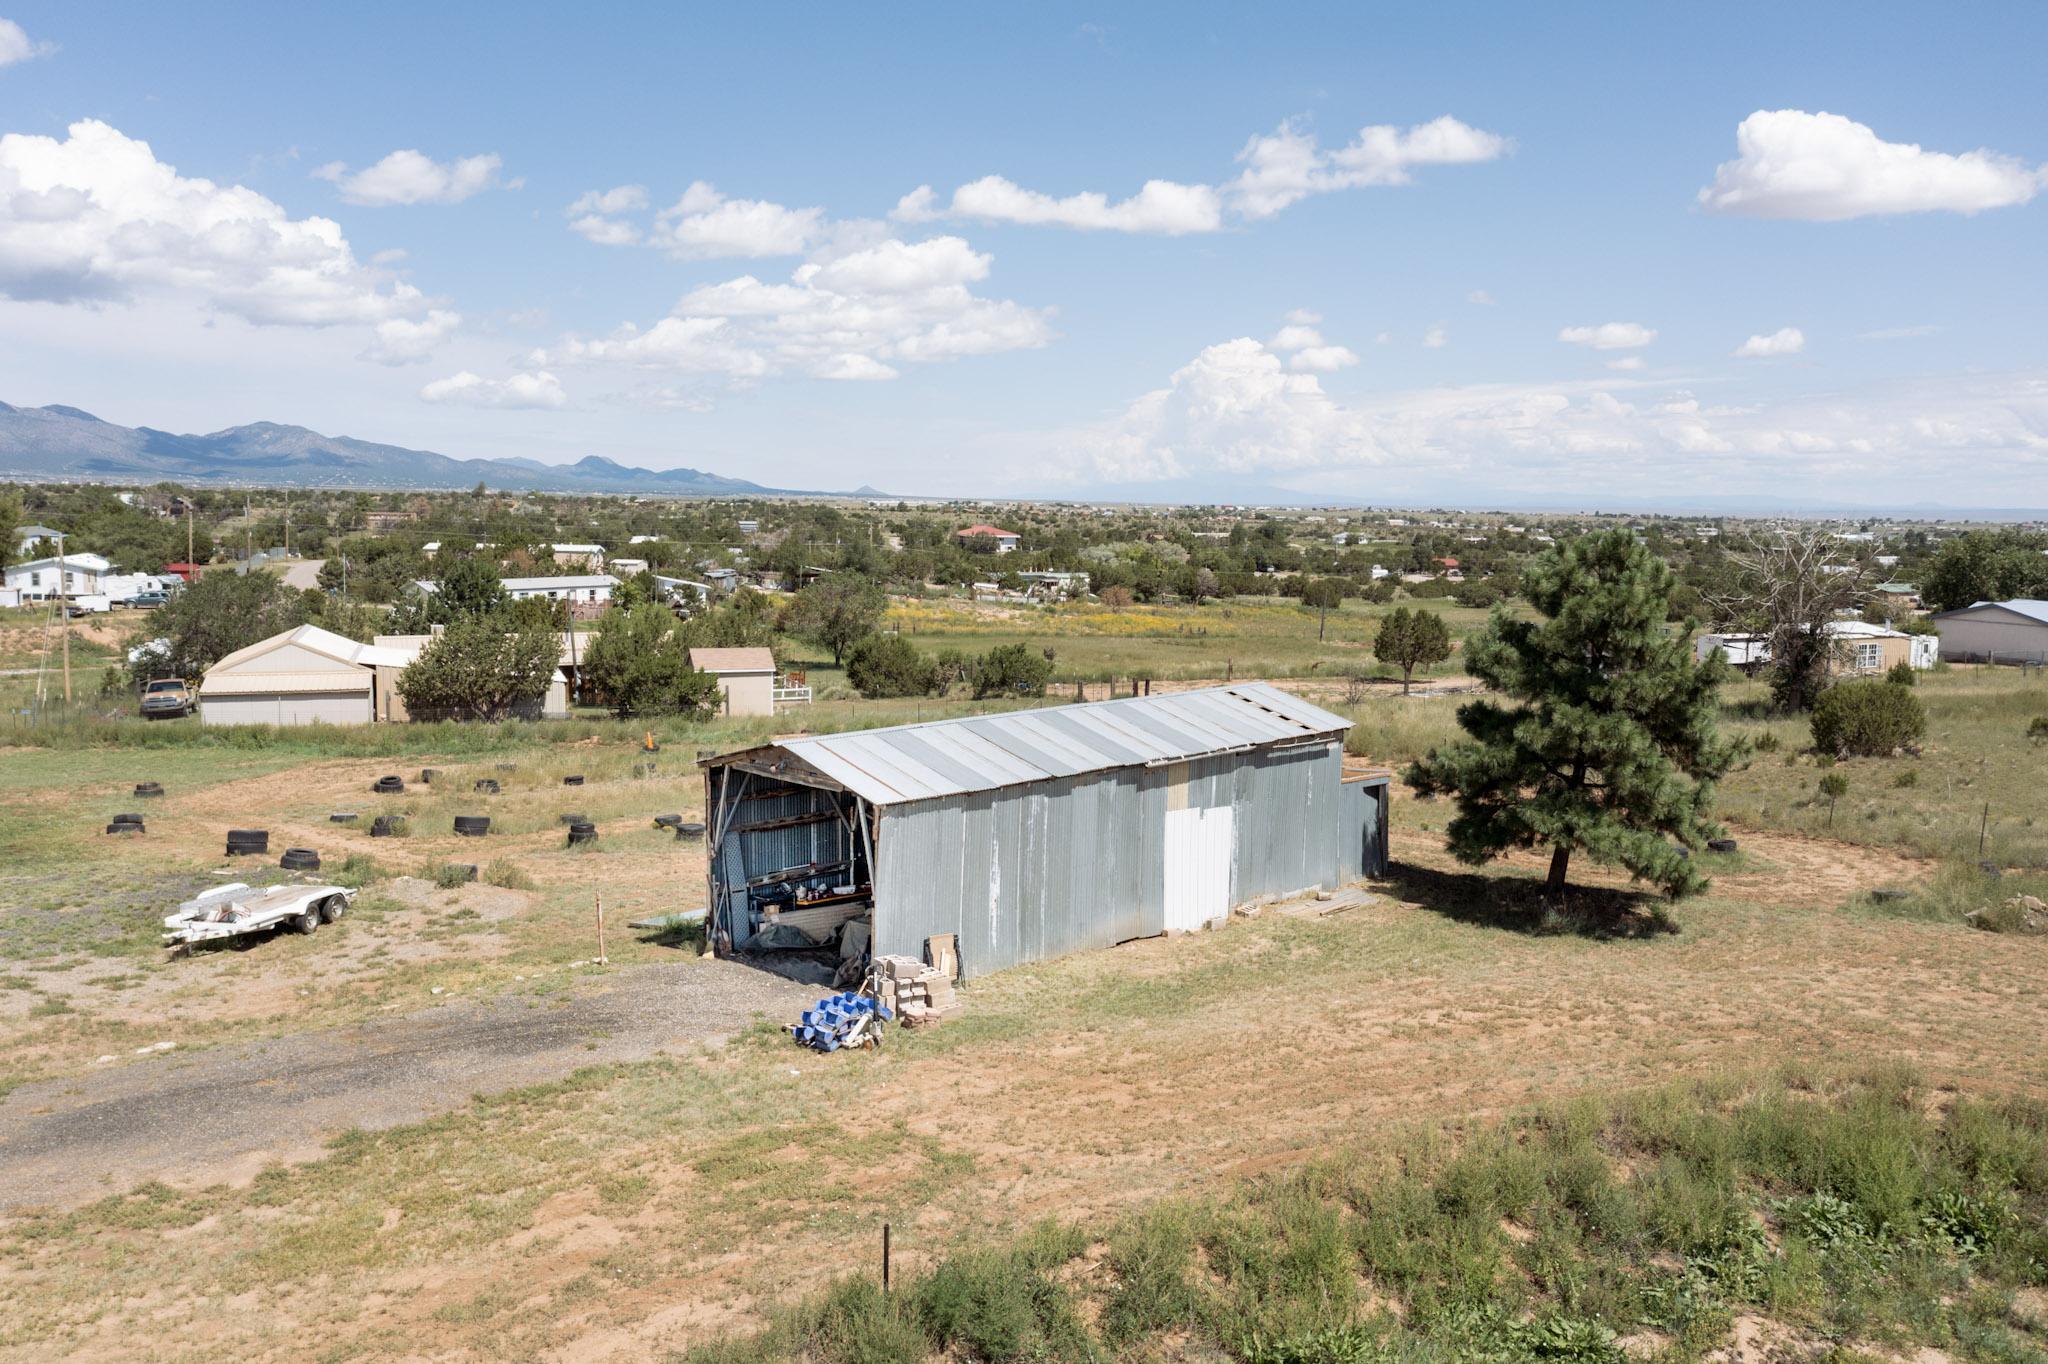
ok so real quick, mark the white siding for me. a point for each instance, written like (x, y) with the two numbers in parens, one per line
(287, 708)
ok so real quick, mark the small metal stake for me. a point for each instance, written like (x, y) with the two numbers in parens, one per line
(885, 1257)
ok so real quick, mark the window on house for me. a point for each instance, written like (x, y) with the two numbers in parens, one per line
(1869, 657)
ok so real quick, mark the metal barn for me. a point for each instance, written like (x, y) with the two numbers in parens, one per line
(1034, 833)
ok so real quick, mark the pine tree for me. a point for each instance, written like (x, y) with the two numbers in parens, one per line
(1612, 745)
(1410, 640)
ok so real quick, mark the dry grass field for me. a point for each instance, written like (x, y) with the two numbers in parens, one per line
(635, 1209)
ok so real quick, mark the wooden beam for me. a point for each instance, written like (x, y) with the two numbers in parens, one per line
(787, 822)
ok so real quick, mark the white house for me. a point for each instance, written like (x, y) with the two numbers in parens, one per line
(26, 537)
(626, 568)
(2013, 631)
(746, 678)
(578, 589)
(1860, 647)
(40, 578)
(579, 556)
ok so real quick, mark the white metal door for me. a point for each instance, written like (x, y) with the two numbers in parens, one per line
(1197, 868)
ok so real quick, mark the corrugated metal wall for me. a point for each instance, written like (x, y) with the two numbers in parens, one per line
(1035, 871)
(742, 855)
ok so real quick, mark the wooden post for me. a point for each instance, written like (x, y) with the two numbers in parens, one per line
(600, 928)
(1983, 825)
(64, 617)
(885, 1257)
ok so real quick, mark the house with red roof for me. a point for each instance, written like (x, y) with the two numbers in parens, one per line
(998, 540)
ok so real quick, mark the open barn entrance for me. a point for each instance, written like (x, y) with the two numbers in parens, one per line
(791, 868)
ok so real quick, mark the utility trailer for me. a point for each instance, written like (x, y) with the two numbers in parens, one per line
(235, 909)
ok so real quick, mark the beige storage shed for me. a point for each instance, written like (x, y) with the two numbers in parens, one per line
(746, 678)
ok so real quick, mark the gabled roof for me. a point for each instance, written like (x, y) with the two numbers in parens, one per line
(987, 752)
(2019, 606)
(732, 660)
(991, 531)
(344, 651)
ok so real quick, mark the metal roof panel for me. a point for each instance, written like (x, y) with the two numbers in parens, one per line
(988, 752)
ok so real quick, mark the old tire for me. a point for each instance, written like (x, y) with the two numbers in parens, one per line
(472, 826)
(333, 907)
(668, 821)
(572, 781)
(243, 841)
(299, 859)
(487, 785)
(430, 775)
(387, 786)
(342, 817)
(1721, 845)
(307, 920)
(121, 827)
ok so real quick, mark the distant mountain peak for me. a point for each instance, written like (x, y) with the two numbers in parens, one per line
(65, 442)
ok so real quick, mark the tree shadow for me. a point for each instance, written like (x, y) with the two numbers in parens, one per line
(1519, 904)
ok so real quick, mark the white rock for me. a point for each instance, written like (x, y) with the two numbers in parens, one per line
(436, 990)
(101, 1060)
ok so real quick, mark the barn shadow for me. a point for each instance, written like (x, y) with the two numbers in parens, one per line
(1520, 904)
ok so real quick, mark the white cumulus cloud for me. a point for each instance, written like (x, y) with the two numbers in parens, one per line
(412, 177)
(1234, 410)
(1323, 359)
(1784, 341)
(1289, 164)
(539, 389)
(1826, 168)
(97, 218)
(854, 314)
(1610, 336)
(1234, 407)
(1436, 338)
(704, 224)
(17, 46)
(1160, 206)
(407, 340)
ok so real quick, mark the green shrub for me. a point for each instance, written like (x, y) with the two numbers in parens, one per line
(1010, 669)
(356, 872)
(1909, 777)
(890, 665)
(1866, 718)
(1902, 675)
(508, 875)
(2037, 729)
(1767, 742)
(448, 876)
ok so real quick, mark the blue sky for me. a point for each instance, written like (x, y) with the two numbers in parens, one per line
(1483, 254)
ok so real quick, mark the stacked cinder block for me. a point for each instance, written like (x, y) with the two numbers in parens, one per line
(917, 993)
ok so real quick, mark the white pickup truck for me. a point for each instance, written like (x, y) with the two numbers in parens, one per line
(234, 909)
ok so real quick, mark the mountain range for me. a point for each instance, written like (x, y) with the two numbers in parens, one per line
(59, 442)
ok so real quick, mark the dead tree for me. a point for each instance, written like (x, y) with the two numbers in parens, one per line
(1790, 589)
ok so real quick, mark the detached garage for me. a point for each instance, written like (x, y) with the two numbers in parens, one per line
(1996, 632)
(302, 677)
(1033, 833)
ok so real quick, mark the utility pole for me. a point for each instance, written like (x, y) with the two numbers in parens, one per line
(64, 617)
(287, 524)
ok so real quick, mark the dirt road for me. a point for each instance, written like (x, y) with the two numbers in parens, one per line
(224, 1114)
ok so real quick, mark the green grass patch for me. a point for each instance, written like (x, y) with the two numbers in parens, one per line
(1851, 1216)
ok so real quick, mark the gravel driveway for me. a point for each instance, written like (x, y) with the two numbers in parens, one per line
(224, 1114)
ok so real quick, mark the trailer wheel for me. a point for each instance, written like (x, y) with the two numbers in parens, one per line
(308, 921)
(333, 907)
